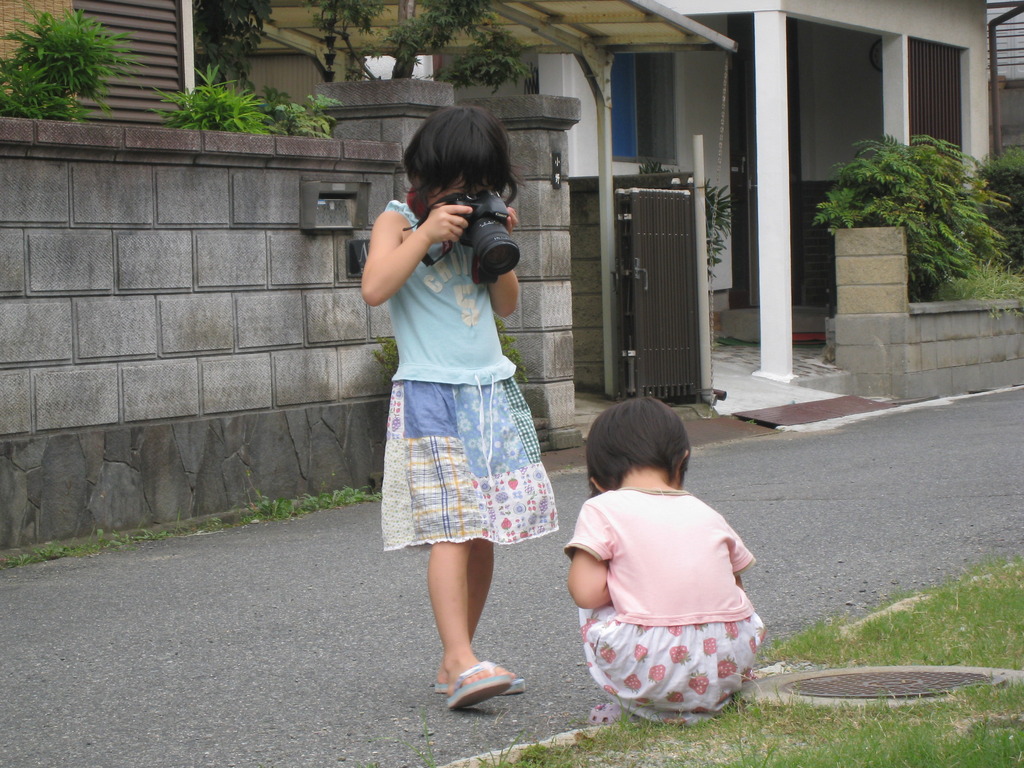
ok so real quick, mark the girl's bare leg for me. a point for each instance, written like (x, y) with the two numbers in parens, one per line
(459, 579)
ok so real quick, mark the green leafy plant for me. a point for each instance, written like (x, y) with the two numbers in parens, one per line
(718, 208)
(1005, 175)
(651, 166)
(227, 33)
(214, 106)
(928, 188)
(494, 59)
(387, 353)
(286, 118)
(424, 27)
(57, 61)
(509, 350)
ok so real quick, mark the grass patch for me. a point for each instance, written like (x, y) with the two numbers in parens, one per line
(986, 283)
(975, 620)
(261, 509)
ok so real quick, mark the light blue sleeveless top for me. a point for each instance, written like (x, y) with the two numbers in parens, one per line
(443, 322)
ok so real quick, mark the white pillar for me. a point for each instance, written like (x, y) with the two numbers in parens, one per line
(771, 102)
(896, 87)
(188, 45)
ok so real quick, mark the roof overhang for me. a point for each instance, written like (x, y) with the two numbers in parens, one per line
(548, 26)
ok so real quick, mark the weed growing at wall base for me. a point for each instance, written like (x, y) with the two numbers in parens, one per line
(262, 509)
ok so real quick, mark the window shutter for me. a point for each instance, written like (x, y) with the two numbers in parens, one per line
(154, 27)
(935, 91)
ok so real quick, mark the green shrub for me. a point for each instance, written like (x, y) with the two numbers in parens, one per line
(1005, 175)
(491, 56)
(289, 119)
(494, 59)
(213, 106)
(56, 62)
(927, 188)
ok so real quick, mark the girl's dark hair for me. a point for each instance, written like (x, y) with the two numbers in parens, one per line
(638, 433)
(465, 146)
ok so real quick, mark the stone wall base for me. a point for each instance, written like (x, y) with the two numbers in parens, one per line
(896, 349)
(71, 484)
(938, 349)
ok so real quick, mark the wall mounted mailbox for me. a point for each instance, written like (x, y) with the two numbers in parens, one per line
(333, 205)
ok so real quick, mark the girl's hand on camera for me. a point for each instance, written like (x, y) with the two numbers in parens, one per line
(513, 219)
(446, 222)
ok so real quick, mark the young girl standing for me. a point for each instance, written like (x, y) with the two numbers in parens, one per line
(462, 462)
(668, 631)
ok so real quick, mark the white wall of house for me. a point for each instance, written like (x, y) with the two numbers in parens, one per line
(698, 76)
(960, 23)
(840, 96)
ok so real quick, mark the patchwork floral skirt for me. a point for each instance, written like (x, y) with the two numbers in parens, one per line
(463, 462)
(680, 674)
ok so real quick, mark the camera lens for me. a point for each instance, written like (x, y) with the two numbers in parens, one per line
(492, 245)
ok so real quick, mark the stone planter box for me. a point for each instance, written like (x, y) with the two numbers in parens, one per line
(902, 350)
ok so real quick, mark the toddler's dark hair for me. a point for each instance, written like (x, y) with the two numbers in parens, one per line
(465, 146)
(637, 433)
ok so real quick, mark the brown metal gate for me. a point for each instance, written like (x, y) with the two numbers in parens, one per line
(657, 290)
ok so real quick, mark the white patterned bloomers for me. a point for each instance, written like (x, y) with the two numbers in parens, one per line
(681, 674)
(462, 462)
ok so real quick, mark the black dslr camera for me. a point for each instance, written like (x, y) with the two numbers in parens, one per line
(494, 251)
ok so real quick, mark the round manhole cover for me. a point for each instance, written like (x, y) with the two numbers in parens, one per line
(893, 685)
(899, 684)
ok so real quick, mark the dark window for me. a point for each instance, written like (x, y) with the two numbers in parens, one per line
(643, 107)
(935, 96)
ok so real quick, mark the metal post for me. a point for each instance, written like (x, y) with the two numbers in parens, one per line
(703, 285)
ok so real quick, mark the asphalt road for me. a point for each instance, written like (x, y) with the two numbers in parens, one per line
(297, 644)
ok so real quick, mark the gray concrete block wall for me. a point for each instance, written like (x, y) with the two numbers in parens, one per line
(901, 350)
(156, 292)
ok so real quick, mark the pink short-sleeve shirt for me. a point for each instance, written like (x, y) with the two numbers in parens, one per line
(671, 558)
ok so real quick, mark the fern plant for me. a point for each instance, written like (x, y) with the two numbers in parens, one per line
(928, 188)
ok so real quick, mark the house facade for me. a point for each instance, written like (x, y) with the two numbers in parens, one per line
(809, 79)
(805, 80)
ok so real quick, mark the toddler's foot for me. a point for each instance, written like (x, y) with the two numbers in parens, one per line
(605, 714)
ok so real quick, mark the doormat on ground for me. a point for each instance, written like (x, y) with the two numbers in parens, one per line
(805, 413)
(809, 339)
